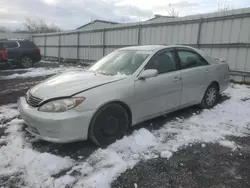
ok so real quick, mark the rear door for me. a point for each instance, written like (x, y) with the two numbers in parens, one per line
(29, 48)
(196, 76)
(162, 93)
(13, 50)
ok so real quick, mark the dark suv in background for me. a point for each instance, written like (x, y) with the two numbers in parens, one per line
(21, 53)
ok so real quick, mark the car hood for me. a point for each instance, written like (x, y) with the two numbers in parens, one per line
(70, 83)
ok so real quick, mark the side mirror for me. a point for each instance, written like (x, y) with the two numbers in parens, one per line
(148, 74)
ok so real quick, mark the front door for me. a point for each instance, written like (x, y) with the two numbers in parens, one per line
(162, 93)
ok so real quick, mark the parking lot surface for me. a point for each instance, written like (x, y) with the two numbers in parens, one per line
(188, 148)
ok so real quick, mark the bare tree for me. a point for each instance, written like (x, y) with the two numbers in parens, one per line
(19, 30)
(41, 26)
(172, 11)
(223, 6)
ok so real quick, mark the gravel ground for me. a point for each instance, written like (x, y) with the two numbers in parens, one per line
(12, 89)
(199, 165)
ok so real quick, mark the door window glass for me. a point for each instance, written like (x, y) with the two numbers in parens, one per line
(27, 44)
(10, 45)
(190, 59)
(163, 62)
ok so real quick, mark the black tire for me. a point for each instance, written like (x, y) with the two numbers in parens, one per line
(210, 97)
(26, 62)
(108, 124)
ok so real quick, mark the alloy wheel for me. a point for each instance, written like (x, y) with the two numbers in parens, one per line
(211, 96)
(27, 62)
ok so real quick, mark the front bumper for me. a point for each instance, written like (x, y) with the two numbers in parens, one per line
(39, 58)
(56, 127)
(224, 84)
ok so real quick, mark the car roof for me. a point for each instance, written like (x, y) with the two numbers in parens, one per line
(155, 47)
(13, 40)
(146, 47)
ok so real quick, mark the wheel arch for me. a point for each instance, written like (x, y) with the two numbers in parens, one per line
(28, 55)
(217, 84)
(121, 103)
(213, 82)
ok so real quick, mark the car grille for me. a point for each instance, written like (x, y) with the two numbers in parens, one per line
(33, 101)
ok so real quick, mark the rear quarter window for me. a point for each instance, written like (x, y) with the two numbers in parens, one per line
(27, 44)
(190, 59)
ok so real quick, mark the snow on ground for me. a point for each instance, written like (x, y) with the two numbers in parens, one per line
(48, 62)
(17, 157)
(7, 112)
(41, 71)
(166, 154)
(104, 165)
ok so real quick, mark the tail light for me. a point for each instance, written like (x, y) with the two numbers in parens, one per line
(4, 55)
(38, 50)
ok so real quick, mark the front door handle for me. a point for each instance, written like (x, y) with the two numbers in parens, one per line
(207, 70)
(176, 79)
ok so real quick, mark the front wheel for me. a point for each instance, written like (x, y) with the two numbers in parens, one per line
(109, 124)
(210, 97)
(26, 62)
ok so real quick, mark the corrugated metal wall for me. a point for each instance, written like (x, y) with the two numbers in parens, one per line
(223, 34)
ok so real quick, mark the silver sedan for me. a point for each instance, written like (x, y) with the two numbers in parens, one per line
(126, 87)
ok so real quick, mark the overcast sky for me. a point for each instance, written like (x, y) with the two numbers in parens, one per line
(70, 14)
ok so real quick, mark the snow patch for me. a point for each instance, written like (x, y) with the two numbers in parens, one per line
(7, 112)
(18, 157)
(35, 72)
(66, 180)
(229, 144)
(121, 75)
(49, 62)
(166, 154)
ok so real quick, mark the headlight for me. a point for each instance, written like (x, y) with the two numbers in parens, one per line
(61, 105)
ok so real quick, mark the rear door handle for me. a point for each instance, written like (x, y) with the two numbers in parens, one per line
(176, 79)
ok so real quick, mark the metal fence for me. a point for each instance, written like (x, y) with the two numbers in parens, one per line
(223, 34)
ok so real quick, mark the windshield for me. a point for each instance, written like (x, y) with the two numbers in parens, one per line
(124, 62)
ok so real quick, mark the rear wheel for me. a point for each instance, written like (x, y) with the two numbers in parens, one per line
(210, 97)
(109, 124)
(26, 62)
